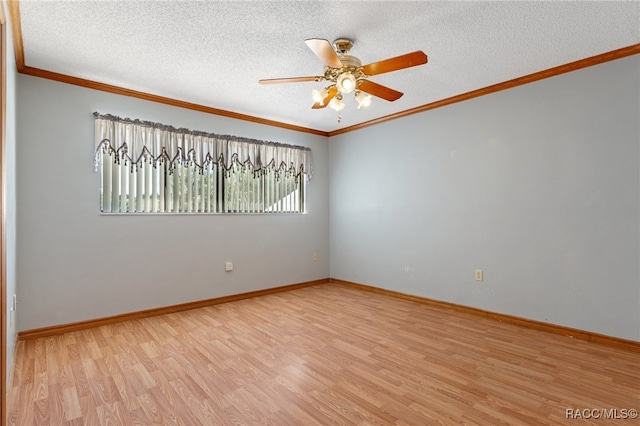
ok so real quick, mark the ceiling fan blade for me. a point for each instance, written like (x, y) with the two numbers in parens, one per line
(289, 80)
(332, 92)
(379, 90)
(393, 64)
(323, 50)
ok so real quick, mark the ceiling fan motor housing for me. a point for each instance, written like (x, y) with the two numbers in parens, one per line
(350, 63)
(342, 45)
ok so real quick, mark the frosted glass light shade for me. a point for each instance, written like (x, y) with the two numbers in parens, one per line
(346, 82)
(319, 95)
(364, 100)
(336, 104)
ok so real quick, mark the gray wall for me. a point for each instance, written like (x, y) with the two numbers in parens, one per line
(537, 185)
(74, 264)
(10, 193)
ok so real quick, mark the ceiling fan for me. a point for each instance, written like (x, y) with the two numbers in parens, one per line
(347, 74)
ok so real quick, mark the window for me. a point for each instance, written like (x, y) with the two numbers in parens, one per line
(153, 168)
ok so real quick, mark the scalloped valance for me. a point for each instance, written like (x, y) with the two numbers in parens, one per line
(135, 141)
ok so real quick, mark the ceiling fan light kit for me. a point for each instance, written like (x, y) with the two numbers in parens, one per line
(348, 75)
(363, 99)
(336, 104)
(319, 95)
(346, 82)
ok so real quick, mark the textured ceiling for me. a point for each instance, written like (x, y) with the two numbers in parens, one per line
(214, 52)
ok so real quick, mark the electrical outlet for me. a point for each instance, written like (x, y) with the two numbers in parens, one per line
(479, 275)
(315, 257)
(228, 266)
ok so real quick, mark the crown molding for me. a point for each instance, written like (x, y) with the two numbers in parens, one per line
(22, 68)
(519, 81)
(63, 78)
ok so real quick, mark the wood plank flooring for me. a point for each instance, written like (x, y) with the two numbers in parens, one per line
(322, 355)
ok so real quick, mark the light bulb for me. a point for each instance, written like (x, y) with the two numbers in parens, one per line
(319, 95)
(336, 104)
(346, 82)
(363, 99)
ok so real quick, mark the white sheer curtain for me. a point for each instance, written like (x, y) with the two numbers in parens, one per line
(149, 167)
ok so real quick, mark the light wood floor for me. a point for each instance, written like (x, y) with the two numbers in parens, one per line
(324, 355)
